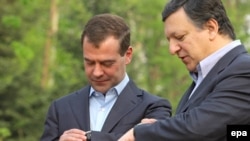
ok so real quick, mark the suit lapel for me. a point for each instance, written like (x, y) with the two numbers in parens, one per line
(201, 92)
(80, 108)
(126, 101)
(185, 97)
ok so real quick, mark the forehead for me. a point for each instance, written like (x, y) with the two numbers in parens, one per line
(178, 22)
(110, 40)
(108, 47)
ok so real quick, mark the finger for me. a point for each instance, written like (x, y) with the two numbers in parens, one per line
(75, 131)
(73, 135)
(147, 120)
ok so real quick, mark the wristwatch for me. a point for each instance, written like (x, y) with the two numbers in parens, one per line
(88, 135)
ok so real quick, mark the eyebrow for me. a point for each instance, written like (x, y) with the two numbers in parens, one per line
(170, 35)
(103, 61)
(84, 58)
(174, 34)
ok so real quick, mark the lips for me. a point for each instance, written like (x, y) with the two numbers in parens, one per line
(99, 81)
(181, 57)
(184, 59)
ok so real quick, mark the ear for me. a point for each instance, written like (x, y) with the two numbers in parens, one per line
(213, 28)
(128, 55)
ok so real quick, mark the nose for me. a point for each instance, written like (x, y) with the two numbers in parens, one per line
(98, 71)
(173, 47)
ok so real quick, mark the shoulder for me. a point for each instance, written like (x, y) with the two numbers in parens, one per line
(148, 95)
(141, 92)
(241, 62)
(235, 61)
(78, 94)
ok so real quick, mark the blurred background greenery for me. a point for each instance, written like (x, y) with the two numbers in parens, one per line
(41, 55)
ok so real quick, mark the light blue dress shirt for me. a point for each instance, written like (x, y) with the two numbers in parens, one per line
(208, 63)
(100, 104)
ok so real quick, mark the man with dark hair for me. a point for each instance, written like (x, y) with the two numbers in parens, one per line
(111, 104)
(201, 35)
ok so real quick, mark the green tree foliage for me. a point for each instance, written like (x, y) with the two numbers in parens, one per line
(27, 41)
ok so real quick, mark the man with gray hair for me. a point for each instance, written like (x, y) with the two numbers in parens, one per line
(201, 35)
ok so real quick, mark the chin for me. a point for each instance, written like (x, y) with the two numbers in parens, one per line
(191, 69)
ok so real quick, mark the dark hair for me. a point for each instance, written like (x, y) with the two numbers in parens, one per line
(200, 11)
(102, 26)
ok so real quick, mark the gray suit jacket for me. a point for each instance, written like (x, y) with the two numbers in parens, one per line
(223, 98)
(132, 105)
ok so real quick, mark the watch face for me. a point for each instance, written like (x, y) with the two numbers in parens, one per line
(88, 135)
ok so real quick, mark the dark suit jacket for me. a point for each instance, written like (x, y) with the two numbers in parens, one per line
(132, 105)
(223, 98)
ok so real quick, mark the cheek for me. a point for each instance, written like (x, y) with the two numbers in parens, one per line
(88, 69)
(193, 51)
(200, 51)
(187, 48)
(191, 47)
(116, 70)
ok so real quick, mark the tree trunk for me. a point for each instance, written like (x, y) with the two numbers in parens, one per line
(49, 42)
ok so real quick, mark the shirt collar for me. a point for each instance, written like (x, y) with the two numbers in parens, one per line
(118, 88)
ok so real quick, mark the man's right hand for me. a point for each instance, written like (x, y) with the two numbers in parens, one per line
(73, 135)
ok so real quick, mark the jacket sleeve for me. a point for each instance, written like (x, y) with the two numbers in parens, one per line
(227, 102)
(50, 132)
(157, 108)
